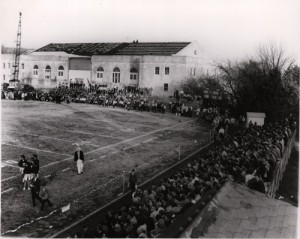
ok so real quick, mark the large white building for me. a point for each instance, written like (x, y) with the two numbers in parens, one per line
(159, 65)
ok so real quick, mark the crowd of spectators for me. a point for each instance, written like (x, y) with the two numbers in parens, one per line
(130, 98)
(247, 155)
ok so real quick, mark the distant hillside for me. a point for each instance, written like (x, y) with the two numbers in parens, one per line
(11, 50)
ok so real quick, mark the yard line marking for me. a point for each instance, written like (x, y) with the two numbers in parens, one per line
(42, 136)
(135, 145)
(7, 164)
(103, 156)
(8, 190)
(97, 135)
(66, 169)
(148, 140)
(90, 119)
(46, 151)
(114, 152)
(108, 146)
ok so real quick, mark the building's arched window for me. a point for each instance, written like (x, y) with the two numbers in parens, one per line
(35, 70)
(48, 72)
(116, 75)
(133, 74)
(61, 71)
(100, 72)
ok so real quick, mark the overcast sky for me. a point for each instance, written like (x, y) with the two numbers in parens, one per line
(224, 28)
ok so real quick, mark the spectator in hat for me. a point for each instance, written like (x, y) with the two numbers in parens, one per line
(79, 159)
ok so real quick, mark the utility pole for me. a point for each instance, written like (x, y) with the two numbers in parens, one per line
(15, 79)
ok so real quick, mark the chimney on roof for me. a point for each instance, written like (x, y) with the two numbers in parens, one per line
(137, 41)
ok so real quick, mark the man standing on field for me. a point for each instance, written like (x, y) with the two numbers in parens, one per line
(79, 159)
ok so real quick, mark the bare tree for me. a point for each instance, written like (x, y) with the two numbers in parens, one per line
(273, 56)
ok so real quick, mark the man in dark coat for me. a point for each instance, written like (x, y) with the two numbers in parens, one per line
(22, 163)
(132, 180)
(35, 187)
(79, 159)
(35, 165)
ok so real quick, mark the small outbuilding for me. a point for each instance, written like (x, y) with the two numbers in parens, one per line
(255, 117)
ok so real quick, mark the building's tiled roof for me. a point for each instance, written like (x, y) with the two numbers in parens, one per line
(143, 48)
(152, 48)
(84, 49)
(239, 212)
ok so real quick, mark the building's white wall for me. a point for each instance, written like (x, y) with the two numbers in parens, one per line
(108, 63)
(193, 49)
(6, 73)
(148, 78)
(42, 61)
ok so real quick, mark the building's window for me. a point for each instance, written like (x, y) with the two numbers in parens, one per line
(193, 71)
(61, 71)
(133, 74)
(100, 72)
(166, 87)
(22, 66)
(195, 52)
(48, 72)
(3, 65)
(156, 70)
(116, 75)
(3, 77)
(8, 65)
(167, 70)
(35, 70)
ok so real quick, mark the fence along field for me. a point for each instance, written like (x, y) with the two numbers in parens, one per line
(113, 140)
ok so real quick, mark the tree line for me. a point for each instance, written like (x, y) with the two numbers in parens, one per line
(267, 82)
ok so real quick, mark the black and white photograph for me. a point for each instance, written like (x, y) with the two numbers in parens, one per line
(149, 118)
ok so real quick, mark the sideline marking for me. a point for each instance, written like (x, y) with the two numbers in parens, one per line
(25, 147)
(108, 146)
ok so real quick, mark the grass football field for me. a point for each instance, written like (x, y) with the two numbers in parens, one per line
(113, 141)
